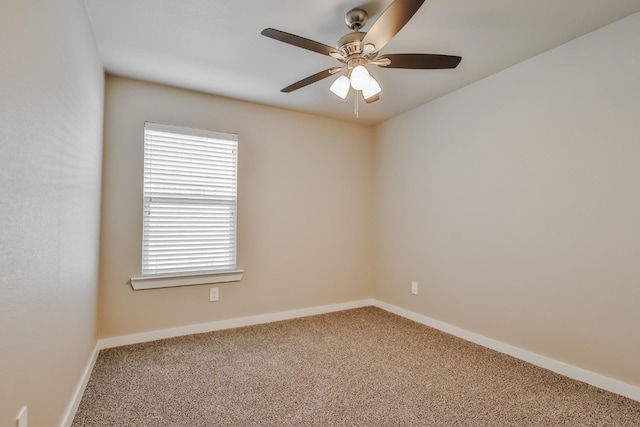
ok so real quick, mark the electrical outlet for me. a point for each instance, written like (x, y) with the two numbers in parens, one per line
(214, 294)
(414, 288)
(21, 419)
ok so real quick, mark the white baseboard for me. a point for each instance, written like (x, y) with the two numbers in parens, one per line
(79, 391)
(228, 324)
(562, 368)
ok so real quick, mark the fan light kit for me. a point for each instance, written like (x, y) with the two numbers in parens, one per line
(357, 50)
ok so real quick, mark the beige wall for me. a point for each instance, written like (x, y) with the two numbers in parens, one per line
(304, 209)
(515, 203)
(51, 107)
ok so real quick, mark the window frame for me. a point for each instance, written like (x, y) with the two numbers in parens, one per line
(199, 276)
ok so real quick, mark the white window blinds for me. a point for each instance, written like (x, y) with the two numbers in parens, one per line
(190, 182)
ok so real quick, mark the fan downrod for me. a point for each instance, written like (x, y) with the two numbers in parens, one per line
(356, 18)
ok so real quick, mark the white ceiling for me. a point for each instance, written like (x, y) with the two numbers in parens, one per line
(215, 46)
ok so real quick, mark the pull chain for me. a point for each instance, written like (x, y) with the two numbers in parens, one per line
(356, 109)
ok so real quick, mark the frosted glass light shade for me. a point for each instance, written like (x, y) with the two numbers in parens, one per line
(360, 77)
(341, 86)
(372, 89)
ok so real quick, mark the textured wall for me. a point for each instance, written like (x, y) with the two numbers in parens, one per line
(514, 202)
(304, 209)
(51, 108)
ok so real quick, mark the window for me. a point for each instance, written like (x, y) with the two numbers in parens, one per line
(189, 211)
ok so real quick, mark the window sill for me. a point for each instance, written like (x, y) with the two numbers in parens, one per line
(155, 282)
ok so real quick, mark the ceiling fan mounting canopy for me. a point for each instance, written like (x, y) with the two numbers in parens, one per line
(363, 48)
(356, 18)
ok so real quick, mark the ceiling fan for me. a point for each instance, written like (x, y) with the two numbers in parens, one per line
(357, 50)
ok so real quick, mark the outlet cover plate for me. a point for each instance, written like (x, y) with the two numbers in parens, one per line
(21, 420)
(214, 294)
(414, 288)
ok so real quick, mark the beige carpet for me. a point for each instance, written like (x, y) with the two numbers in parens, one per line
(362, 367)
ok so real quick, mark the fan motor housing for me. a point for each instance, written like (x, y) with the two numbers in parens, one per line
(351, 44)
